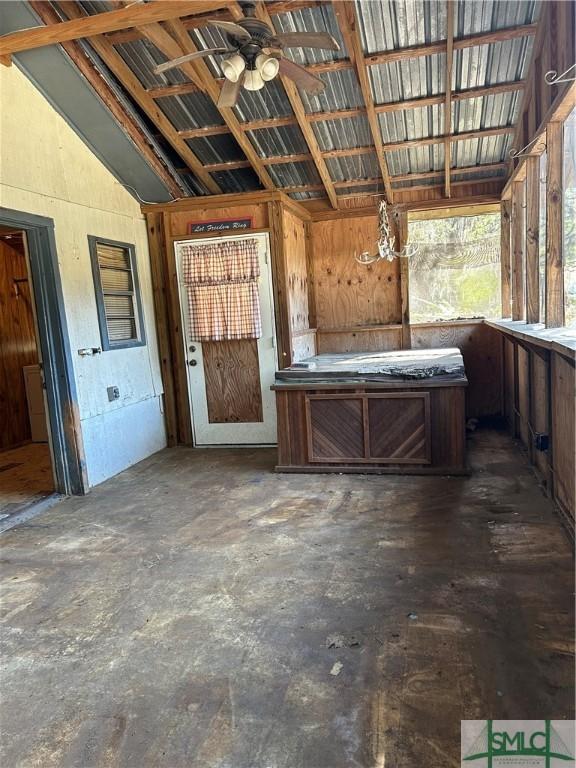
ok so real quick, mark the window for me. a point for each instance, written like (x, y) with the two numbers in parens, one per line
(117, 294)
(569, 183)
(542, 237)
(455, 272)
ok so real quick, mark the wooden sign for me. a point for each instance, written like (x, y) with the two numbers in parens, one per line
(219, 225)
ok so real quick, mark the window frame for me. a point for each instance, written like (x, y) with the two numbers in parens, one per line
(107, 344)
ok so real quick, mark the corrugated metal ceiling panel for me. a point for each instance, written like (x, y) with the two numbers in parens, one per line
(408, 79)
(270, 101)
(343, 134)
(416, 160)
(294, 174)
(239, 180)
(342, 92)
(353, 167)
(389, 24)
(190, 110)
(142, 56)
(492, 149)
(272, 142)
(488, 15)
(319, 19)
(486, 112)
(215, 149)
(501, 62)
(412, 123)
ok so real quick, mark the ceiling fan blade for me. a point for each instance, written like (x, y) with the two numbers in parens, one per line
(307, 40)
(189, 56)
(231, 28)
(302, 78)
(230, 91)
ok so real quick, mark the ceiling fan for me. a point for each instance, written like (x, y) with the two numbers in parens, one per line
(256, 55)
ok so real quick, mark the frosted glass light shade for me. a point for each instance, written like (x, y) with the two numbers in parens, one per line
(253, 80)
(233, 66)
(268, 66)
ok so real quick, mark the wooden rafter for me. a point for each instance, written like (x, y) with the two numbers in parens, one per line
(448, 96)
(97, 24)
(307, 131)
(175, 41)
(384, 57)
(348, 23)
(339, 114)
(130, 82)
(480, 134)
(109, 98)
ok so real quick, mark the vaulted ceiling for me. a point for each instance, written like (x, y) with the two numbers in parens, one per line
(420, 102)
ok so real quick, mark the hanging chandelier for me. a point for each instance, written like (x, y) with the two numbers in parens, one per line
(386, 239)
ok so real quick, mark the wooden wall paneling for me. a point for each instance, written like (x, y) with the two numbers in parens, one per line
(532, 239)
(539, 405)
(482, 352)
(179, 220)
(232, 377)
(554, 226)
(177, 335)
(359, 340)
(505, 262)
(349, 294)
(401, 238)
(518, 243)
(303, 344)
(310, 271)
(297, 271)
(523, 404)
(280, 283)
(509, 355)
(17, 344)
(157, 246)
(563, 385)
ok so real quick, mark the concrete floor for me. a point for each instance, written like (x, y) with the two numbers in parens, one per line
(200, 611)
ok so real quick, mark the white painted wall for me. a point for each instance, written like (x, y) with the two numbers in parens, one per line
(46, 169)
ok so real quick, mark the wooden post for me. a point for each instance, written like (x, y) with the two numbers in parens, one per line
(532, 239)
(157, 245)
(518, 241)
(505, 207)
(401, 238)
(280, 283)
(554, 229)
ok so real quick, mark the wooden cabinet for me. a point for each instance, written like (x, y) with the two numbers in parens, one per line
(416, 428)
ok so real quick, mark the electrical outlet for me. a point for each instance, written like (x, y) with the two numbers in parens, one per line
(113, 393)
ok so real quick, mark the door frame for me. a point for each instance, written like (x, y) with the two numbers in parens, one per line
(63, 420)
(208, 237)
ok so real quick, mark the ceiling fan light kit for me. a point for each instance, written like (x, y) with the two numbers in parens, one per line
(253, 80)
(233, 66)
(256, 55)
(268, 66)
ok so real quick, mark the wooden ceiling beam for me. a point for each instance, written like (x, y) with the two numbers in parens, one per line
(348, 23)
(109, 98)
(307, 131)
(175, 41)
(134, 88)
(466, 182)
(455, 171)
(132, 15)
(484, 38)
(448, 95)
(480, 134)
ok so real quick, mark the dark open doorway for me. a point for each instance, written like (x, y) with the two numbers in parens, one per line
(49, 358)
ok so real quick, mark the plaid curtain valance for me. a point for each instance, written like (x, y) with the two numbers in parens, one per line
(222, 285)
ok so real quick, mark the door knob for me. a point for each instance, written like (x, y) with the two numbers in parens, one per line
(192, 362)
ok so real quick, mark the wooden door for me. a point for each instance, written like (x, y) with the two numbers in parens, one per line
(229, 381)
